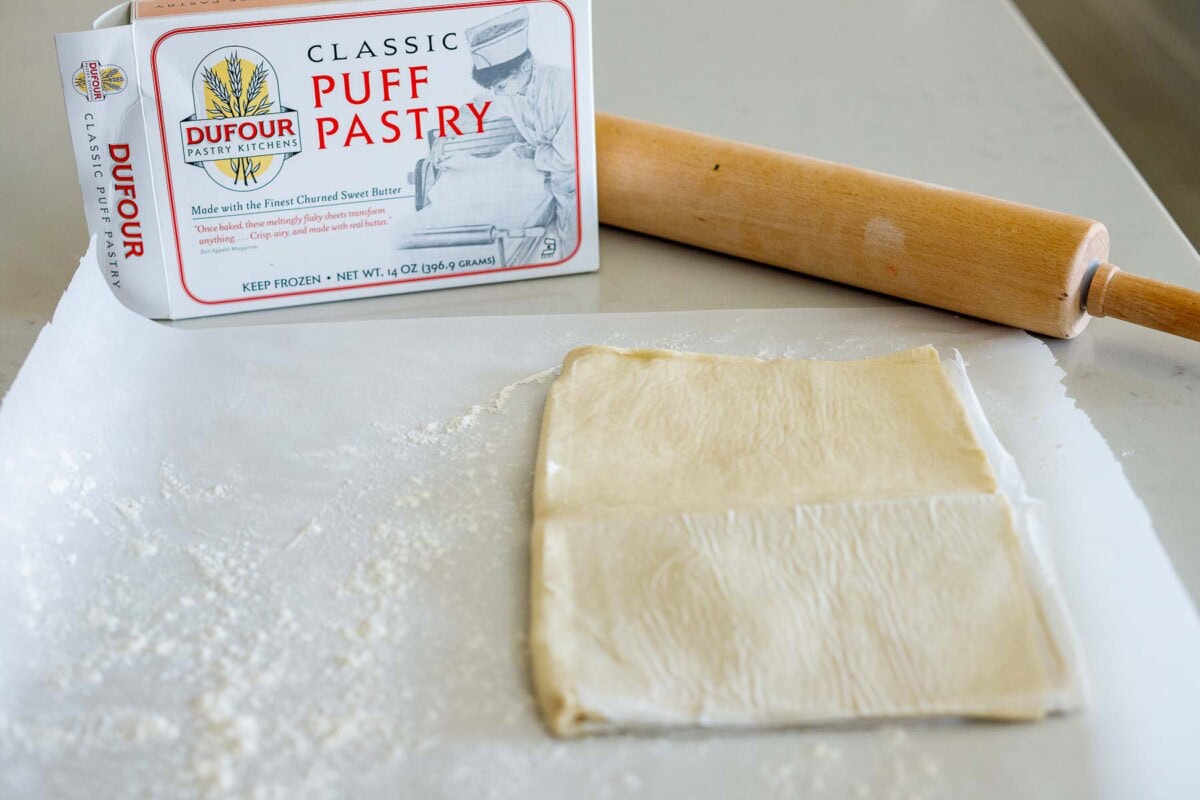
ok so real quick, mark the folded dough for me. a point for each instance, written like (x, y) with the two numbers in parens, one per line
(728, 541)
(666, 430)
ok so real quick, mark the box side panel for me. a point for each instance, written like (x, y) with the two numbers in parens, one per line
(103, 100)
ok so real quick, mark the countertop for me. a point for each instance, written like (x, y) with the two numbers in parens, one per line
(951, 92)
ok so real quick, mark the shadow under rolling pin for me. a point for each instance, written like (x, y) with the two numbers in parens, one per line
(1040, 270)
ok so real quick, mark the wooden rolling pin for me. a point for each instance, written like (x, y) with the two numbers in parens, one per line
(1009, 263)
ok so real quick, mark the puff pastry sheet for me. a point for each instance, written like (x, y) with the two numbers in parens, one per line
(728, 541)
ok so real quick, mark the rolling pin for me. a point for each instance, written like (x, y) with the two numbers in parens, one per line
(1040, 270)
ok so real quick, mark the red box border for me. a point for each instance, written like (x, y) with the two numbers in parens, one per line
(321, 18)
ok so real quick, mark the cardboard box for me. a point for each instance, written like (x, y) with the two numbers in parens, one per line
(245, 154)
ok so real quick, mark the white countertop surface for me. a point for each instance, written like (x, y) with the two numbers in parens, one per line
(956, 92)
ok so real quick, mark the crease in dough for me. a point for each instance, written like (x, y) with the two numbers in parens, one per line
(690, 567)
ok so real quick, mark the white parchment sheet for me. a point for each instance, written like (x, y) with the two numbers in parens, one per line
(291, 562)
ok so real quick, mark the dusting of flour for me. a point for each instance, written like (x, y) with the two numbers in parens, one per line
(356, 630)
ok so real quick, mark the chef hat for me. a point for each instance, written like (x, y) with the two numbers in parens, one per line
(500, 39)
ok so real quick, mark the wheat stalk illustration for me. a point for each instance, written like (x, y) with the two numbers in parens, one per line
(258, 81)
(233, 68)
(222, 106)
(112, 80)
(236, 98)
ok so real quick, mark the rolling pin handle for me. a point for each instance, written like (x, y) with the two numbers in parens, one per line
(1095, 287)
(904, 238)
(1143, 301)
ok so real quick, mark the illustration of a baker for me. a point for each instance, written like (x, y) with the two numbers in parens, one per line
(539, 99)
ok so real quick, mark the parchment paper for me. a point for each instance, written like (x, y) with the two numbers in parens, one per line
(292, 562)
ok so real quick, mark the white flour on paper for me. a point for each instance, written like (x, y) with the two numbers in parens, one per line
(246, 646)
(434, 432)
(326, 606)
(236, 640)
